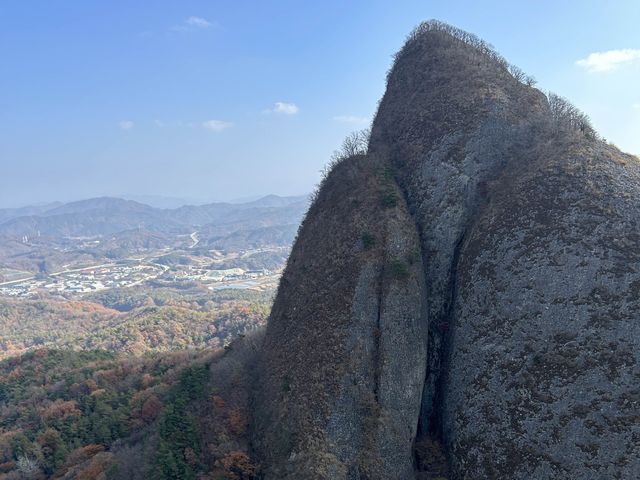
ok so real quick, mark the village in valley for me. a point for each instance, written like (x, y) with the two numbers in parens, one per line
(215, 271)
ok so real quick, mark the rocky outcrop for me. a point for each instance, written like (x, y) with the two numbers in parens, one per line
(497, 308)
(546, 337)
(345, 355)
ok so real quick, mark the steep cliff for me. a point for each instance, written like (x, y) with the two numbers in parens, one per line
(472, 280)
(345, 355)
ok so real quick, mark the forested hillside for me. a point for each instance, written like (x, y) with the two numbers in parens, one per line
(104, 415)
(130, 321)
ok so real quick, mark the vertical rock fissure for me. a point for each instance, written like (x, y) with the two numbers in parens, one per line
(430, 418)
(445, 326)
(431, 439)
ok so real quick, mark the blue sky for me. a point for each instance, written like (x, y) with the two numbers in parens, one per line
(217, 100)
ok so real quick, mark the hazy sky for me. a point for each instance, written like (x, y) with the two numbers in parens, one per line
(219, 100)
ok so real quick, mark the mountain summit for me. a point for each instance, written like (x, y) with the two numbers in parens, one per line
(462, 299)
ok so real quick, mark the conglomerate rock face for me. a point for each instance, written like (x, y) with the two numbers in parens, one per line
(474, 279)
(542, 379)
(345, 354)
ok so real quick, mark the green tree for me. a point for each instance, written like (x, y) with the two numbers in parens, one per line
(54, 450)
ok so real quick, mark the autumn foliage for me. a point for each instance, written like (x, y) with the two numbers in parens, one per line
(104, 415)
(237, 466)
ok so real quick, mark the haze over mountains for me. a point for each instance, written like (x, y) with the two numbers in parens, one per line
(50, 238)
(109, 215)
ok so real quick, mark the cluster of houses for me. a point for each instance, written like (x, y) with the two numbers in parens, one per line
(206, 275)
(87, 280)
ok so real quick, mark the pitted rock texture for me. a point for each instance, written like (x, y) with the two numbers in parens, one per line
(510, 329)
(544, 351)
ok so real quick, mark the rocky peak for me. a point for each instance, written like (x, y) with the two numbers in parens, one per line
(467, 290)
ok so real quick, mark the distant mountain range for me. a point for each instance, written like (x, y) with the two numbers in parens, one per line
(9, 213)
(98, 217)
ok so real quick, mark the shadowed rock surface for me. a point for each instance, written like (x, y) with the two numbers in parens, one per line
(473, 280)
(345, 358)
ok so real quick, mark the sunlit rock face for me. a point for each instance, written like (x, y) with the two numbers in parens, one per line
(472, 280)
